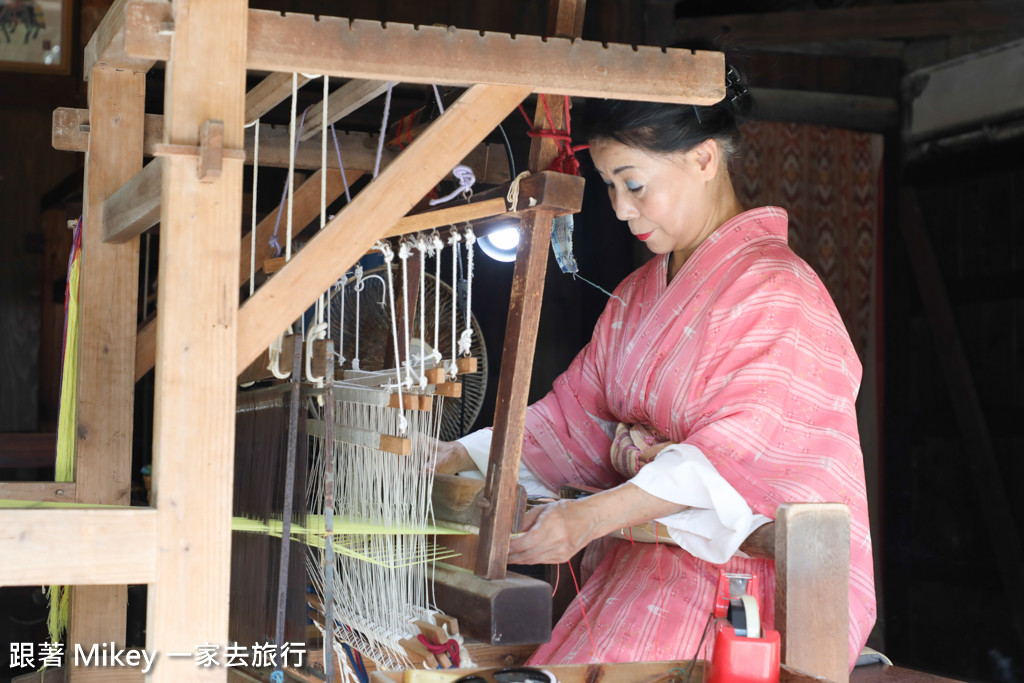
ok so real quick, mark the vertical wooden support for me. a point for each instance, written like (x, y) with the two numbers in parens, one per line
(193, 445)
(513, 392)
(812, 588)
(107, 322)
(565, 19)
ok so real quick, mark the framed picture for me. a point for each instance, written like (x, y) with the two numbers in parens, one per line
(35, 35)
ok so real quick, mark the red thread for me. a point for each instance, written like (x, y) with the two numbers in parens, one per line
(579, 597)
(450, 648)
(558, 571)
(566, 161)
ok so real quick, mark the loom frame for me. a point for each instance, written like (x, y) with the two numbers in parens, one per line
(202, 338)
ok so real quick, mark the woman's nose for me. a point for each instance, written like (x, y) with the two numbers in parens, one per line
(624, 207)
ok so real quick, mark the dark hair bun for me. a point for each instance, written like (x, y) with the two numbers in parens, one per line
(666, 128)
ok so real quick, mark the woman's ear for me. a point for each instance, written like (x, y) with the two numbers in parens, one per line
(708, 157)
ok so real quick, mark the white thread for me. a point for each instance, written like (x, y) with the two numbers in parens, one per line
(466, 338)
(438, 245)
(359, 288)
(252, 232)
(404, 252)
(513, 191)
(453, 240)
(291, 166)
(383, 130)
(389, 256)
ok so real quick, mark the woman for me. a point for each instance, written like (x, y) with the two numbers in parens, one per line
(719, 383)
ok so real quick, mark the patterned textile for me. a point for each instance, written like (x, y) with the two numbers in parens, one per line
(827, 179)
(628, 446)
(743, 356)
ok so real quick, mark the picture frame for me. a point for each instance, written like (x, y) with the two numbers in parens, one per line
(35, 36)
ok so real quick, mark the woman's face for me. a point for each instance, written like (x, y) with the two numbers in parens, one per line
(666, 198)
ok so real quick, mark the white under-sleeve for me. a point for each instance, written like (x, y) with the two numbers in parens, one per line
(718, 520)
(478, 445)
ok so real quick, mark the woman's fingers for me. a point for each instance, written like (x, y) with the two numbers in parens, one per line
(554, 533)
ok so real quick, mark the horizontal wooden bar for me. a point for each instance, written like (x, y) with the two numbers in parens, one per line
(341, 103)
(77, 546)
(270, 92)
(356, 48)
(28, 450)
(39, 491)
(358, 150)
(512, 611)
(135, 207)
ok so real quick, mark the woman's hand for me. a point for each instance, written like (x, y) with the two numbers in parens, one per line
(557, 531)
(553, 533)
(452, 458)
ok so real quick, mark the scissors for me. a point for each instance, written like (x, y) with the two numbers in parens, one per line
(520, 674)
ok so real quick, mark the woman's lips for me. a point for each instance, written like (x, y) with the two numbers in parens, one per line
(645, 236)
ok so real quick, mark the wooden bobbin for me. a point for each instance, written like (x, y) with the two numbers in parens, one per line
(449, 389)
(419, 655)
(395, 444)
(405, 402)
(272, 265)
(451, 623)
(434, 375)
(426, 404)
(466, 365)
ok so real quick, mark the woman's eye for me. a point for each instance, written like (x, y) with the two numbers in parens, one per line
(634, 187)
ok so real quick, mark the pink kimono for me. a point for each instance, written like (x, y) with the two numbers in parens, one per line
(744, 356)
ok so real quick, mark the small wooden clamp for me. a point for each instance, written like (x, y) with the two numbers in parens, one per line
(467, 365)
(210, 152)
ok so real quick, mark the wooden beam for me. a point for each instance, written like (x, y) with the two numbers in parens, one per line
(870, 22)
(72, 546)
(39, 491)
(107, 315)
(135, 207)
(341, 103)
(356, 48)
(358, 150)
(346, 238)
(502, 473)
(270, 92)
(812, 588)
(193, 443)
(106, 47)
(513, 391)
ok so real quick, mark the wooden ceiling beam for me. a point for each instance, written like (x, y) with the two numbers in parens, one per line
(358, 150)
(430, 54)
(341, 103)
(270, 92)
(870, 22)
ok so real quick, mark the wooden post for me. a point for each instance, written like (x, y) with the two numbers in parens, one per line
(566, 17)
(812, 588)
(196, 339)
(107, 322)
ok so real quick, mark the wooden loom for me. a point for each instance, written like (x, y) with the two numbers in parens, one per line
(202, 339)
